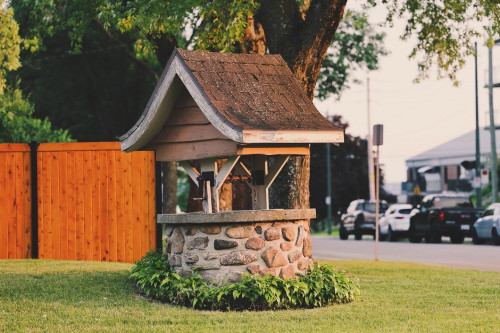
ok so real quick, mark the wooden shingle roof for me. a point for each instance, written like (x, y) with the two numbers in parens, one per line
(250, 99)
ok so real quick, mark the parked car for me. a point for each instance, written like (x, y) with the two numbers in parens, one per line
(395, 222)
(359, 219)
(487, 226)
(443, 215)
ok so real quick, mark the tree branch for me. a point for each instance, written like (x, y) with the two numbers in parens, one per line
(127, 52)
(303, 43)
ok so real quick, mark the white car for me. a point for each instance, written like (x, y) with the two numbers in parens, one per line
(395, 222)
(487, 227)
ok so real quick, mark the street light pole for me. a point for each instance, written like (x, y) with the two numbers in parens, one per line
(478, 156)
(371, 178)
(494, 157)
(378, 140)
(328, 188)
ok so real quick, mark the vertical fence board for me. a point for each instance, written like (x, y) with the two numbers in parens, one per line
(79, 206)
(89, 201)
(113, 230)
(136, 203)
(55, 208)
(128, 208)
(19, 186)
(27, 246)
(4, 222)
(42, 202)
(96, 207)
(71, 204)
(11, 205)
(120, 221)
(63, 206)
(103, 202)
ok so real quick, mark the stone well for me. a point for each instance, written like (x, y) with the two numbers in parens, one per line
(229, 118)
(228, 243)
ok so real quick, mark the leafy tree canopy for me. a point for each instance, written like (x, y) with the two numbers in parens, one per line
(16, 122)
(10, 43)
(444, 30)
(18, 125)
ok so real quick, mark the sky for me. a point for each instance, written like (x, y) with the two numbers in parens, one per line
(416, 116)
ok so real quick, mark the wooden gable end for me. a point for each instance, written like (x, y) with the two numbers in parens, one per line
(187, 135)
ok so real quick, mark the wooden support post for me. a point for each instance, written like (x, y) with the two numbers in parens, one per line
(208, 171)
(259, 173)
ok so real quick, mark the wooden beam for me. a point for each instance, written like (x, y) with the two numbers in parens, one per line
(268, 149)
(225, 170)
(190, 170)
(182, 151)
(293, 136)
(279, 163)
(242, 169)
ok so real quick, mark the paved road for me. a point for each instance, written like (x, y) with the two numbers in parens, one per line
(481, 257)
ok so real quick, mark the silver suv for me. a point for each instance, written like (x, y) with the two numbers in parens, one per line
(359, 219)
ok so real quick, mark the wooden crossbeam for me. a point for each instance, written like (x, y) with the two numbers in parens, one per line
(279, 163)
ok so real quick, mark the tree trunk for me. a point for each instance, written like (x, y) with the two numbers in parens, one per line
(291, 187)
(169, 188)
(302, 35)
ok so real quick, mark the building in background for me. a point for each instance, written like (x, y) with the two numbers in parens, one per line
(449, 166)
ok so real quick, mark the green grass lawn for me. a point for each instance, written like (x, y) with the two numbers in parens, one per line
(57, 296)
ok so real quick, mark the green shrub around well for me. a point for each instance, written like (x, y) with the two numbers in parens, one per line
(320, 286)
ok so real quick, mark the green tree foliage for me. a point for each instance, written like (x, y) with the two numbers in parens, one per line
(106, 56)
(10, 44)
(356, 45)
(444, 30)
(216, 25)
(17, 124)
(16, 121)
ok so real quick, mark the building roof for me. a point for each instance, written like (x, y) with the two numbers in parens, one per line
(248, 98)
(455, 151)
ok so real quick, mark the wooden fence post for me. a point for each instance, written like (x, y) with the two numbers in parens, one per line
(34, 199)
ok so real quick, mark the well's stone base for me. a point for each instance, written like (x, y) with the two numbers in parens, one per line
(225, 251)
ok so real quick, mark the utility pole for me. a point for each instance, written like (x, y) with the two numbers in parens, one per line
(378, 139)
(328, 199)
(494, 157)
(371, 176)
(328, 189)
(478, 156)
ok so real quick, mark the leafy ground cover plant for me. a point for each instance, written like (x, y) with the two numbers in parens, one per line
(321, 285)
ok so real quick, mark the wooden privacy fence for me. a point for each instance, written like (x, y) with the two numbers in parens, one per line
(92, 202)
